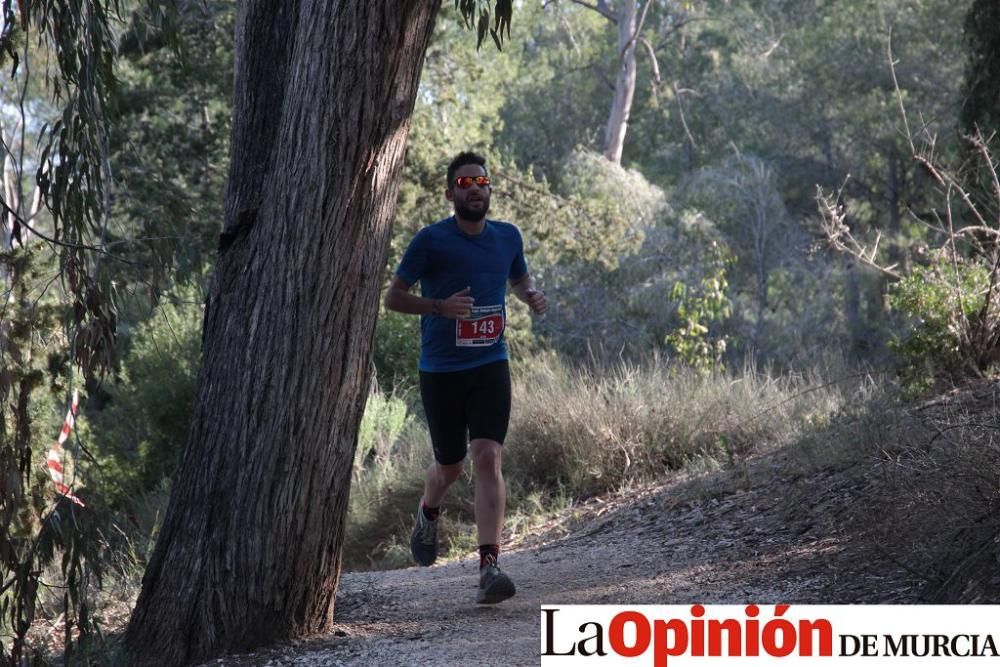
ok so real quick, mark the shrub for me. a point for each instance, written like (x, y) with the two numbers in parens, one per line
(387, 481)
(941, 299)
(385, 418)
(397, 349)
(140, 433)
(698, 307)
(953, 299)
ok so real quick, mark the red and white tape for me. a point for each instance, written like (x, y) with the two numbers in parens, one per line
(54, 460)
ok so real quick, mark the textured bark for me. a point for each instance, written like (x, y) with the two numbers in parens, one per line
(621, 105)
(249, 551)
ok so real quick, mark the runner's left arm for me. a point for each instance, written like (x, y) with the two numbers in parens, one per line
(525, 290)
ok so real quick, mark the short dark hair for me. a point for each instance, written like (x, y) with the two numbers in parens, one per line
(462, 159)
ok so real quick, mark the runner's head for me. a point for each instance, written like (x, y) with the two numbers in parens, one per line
(469, 186)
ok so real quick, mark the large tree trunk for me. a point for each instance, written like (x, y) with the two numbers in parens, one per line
(621, 105)
(249, 551)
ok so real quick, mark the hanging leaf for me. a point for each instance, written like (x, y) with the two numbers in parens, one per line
(504, 13)
(484, 25)
(481, 11)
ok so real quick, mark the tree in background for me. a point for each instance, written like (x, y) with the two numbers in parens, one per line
(169, 145)
(753, 219)
(629, 19)
(979, 117)
(981, 106)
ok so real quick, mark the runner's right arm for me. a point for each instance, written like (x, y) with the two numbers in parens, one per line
(399, 298)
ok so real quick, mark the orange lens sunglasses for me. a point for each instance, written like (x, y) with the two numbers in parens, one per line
(465, 182)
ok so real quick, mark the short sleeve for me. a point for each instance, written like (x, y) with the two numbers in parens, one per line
(414, 263)
(518, 267)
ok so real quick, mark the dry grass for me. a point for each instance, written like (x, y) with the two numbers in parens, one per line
(577, 432)
(922, 485)
(590, 430)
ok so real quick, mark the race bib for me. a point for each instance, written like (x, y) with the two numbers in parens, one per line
(480, 329)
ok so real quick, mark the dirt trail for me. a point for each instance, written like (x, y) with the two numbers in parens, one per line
(779, 540)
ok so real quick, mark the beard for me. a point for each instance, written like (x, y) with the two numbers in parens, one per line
(464, 211)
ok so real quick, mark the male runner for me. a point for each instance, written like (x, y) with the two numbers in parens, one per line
(463, 264)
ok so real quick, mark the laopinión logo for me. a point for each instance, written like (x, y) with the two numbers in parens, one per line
(631, 633)
(833, 634)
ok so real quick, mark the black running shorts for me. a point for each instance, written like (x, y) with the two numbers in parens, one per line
(466, 405)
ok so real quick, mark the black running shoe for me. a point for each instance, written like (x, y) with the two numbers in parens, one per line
(424, 539)
(494, 585)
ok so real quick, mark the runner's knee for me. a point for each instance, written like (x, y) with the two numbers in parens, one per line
(486, 456)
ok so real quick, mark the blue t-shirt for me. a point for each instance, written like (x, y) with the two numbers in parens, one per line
(446, 260)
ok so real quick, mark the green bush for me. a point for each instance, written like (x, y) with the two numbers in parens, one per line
(384, 420)
(387, 480)
(700, 306)
(139, 434)
(942, 301)
(397, 349)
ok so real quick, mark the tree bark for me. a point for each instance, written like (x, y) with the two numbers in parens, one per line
(249, 551)
(621, 105)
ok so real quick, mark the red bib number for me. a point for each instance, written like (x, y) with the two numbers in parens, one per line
(482, 328)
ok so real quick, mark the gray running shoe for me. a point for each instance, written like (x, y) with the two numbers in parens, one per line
(424, 539)
(494, 585)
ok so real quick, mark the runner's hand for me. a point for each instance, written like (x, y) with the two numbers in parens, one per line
(457, 305)
(535, 298)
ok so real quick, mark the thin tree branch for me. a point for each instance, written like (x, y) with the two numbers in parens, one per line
(957, 287)
(635, 34)
(899, 93)
(76, 246)
(652, 59)
(681, 23)
(946, 179)
(974, 229)
(680, 109)
(601, 8)
(839, 236)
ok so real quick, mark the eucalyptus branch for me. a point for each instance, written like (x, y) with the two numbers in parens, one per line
(641, 21)
(683, 116)
(601, 7)
(48, 239)
(652, 59)
(635, 34)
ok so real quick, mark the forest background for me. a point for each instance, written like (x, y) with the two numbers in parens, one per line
(800, 228)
